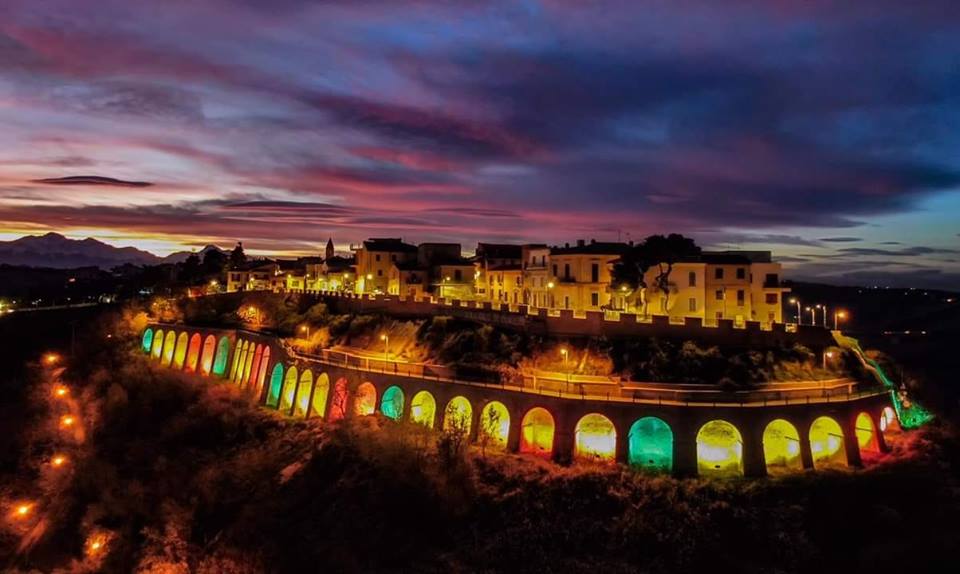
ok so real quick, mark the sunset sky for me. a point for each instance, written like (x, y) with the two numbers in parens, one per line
(828, 132)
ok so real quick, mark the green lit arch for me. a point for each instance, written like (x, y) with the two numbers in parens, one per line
(391, 405)
(276, 384)
(223, 355)
(650, 445)
(147, 342)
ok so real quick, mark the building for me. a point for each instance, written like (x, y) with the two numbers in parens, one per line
(580, 275)
(439, 270)
(738, 285)
(258, 275)
(374, 259)
(536, 275)
(489, 256)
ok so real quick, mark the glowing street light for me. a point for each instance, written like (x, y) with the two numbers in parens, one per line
(22, 510)
(827, 355)
(58, 461)
(67, 420)
(61, 391)
(386, 345)
(565, 353)
(813, 317)
(305, 329)
(824, 316)
(51, 359)
(795, 301)
(837, 316)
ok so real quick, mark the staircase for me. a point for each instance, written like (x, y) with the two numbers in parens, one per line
(910, 414)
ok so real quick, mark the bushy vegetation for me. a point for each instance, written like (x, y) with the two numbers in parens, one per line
(190, 476)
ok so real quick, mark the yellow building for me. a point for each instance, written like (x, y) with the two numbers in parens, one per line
(581, 275)
(536, 275)
(742, 286)
(375, 258)
(254, 276)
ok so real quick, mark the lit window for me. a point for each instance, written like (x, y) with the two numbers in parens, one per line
(692, 279)
(693, 305)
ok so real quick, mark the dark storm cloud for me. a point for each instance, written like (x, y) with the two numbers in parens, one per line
(92, 180)
(841, 239)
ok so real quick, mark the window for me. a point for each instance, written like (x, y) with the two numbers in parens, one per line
(566, 301)
(595, 273)
(692, 278)
(554, 269)
(771, 279)
(393, 257)
(740, 297)
(719, 294)
(693, 305)
(718, 273)
(595, 299)
(741, 273)
(379, 272)
(457, 275)
(378, 257)
(771, 298)
(566, 271)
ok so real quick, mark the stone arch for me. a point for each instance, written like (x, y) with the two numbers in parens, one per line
(536, 432)
(238, 350)
(866, 432)
(276, 385)
(391, 405)
(458, 416)
(719, 450)
(257, 355)
(223, 354)
(169, 345)
(247, 365)
(157, 349)
(423, 409)
(365, 401)
(180, 354)
(321, 390)
(301, 403)
(147, 342)
(494, 425)
(340, 399)
(888, 421)
(193, 353)
(262, 371)
(289, 389)
(650, 445)
(781, 447)
(826, 443)
(595, 438)
(206, 357)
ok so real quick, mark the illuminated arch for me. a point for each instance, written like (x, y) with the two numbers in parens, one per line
(494, 424)
(341, 395)
(223, 354)
(289, 389)
(180, 354)
(888, 421)
(719, 450)
(826, 443)
(193, 353)
(302, 401)
(423, 409)
(206, 356)
(257, 356)
(392, 403)
(245, 349)
(157, 348)
(321, 390)
(147, 341)
(866, 433)
(238, 348)
(650, 445)
(248, 366)
(276, 384)
(536, 432)
(169, 345)
(781, 447)
(595, 438)
(262, 371)
(365, 401)
(458, 416)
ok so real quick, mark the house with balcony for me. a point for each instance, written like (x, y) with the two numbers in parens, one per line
(580, 275)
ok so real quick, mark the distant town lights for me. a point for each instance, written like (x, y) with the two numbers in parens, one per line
(61, 391)
(51, 358)
(67, 420)
(58, 460)
(22, 510)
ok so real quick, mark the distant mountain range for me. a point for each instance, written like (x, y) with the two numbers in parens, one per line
(55, 250)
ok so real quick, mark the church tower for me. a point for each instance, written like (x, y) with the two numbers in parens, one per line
(330, 252)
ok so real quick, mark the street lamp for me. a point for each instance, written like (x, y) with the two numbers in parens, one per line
(550, 286)
(795, 301)
(824, 316)
(565, 353)
(813, 317)
(305, 329)
(386, 346)
(827, 355)
(837, 316)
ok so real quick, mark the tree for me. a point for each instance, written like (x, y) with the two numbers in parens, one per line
(214, 261)
(662, 251)
(191, 268)
(237, 256)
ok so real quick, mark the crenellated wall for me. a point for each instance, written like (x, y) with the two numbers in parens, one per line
(812, 432)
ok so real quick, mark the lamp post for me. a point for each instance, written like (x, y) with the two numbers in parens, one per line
(550, 287)
(827, 355)
(305, 329)
(795, 301)
(813, 317)
(837, 315)
(824, 316)
(386, 346)
(565, 353)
